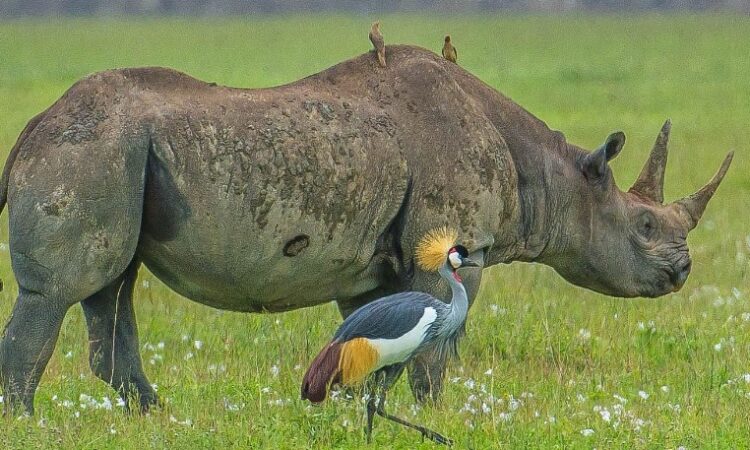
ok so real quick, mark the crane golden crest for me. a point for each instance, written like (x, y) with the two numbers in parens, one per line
(433, 248)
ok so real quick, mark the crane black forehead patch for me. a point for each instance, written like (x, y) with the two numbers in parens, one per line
(460, 249)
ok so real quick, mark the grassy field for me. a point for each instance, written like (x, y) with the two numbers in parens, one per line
(544, 364)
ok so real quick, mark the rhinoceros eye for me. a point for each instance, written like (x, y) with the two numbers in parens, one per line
(646, 225)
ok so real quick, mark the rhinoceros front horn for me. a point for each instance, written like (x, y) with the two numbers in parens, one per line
(650, 183)
(695, 204)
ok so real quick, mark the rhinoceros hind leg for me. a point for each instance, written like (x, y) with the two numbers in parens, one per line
(27, 345)
(114, 354)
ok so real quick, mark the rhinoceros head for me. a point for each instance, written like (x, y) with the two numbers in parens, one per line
(632, 244)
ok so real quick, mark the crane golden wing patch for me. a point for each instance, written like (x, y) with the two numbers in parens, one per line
(433, 248)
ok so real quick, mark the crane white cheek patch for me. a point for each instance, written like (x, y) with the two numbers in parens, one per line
(455, 260)
(392, 351)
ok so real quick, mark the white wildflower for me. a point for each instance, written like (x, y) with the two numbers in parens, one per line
(587, 432)
(160, 345)
(584, 334)
(198, 345)
(488, 372)
(188, 355)
(275, 370)
(643, 394)
(717, 346)
(229, 406)
(505, 417)
(146, 284)
(498, 311)
(665, 389)
(468, 408)
(620, 398)
(267, 390)
(485, 408)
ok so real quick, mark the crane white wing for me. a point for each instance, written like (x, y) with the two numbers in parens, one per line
(392, 351)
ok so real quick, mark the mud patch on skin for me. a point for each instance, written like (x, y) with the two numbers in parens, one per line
(57, 203)
(87, 114)
(296, 245)
(324, 110)
(100, 241)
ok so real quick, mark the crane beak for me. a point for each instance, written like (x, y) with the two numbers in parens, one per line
(466, 262)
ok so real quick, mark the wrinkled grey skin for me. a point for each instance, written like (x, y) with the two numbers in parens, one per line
(267, 200)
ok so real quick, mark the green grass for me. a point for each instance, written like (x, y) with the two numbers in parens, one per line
(562, 359)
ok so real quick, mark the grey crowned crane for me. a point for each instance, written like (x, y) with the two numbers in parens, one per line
(375, 343)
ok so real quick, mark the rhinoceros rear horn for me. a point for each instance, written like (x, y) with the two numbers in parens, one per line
(695, 204)
(650, 183)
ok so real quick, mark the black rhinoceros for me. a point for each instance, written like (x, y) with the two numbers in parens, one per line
(266, 200)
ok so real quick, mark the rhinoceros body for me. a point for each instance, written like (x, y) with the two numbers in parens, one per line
(282, 198)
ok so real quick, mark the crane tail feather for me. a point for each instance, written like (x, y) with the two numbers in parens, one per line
(323, 372)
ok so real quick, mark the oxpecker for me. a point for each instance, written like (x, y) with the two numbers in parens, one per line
(377, 41)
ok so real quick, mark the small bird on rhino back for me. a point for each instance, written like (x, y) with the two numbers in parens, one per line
(374, 344)
(377, 41)
(449, 51)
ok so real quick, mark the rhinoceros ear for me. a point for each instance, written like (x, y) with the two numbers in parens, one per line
(594, 165)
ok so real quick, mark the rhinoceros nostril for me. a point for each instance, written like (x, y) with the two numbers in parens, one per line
(679, 274)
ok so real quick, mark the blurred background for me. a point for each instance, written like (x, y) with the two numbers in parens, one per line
(225, 7)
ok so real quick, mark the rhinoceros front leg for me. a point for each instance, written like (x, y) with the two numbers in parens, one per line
(114, 354)
(427, 371)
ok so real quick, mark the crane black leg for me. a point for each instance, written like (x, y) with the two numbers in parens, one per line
(426, 432)
(371, 408)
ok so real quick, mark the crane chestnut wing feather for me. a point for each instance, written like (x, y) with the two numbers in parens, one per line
(387, 317)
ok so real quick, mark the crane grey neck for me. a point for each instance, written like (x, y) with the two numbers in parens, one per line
(459, 302)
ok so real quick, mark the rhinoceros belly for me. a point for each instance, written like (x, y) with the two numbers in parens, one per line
(244, 222)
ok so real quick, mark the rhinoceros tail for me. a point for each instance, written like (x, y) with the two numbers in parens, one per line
(12, 158)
